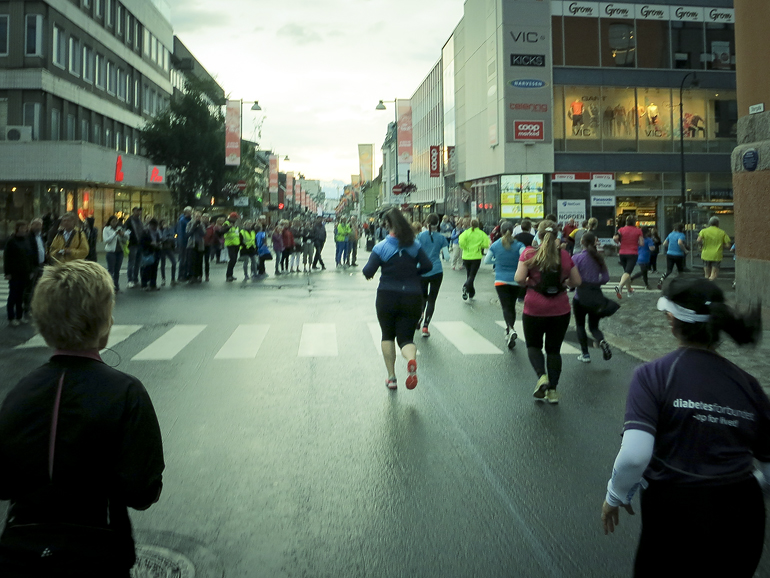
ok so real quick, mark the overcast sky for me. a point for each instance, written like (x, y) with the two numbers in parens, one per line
(318, 69)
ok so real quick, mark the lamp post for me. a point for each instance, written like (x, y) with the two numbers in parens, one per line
(255, 107)
(381, 106)
(694, 83)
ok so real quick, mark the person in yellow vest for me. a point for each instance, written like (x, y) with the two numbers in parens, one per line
(70, 243)
(341, 236)
(714, 241)
(232, 236)
(472, 241)
(249, 250)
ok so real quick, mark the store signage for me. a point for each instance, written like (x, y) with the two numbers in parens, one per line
(537, 60)
(567, 209)
(404, 130)
(156, 175)
(451, 163)
(617, 10)
(687, 14)
(603, 181)
(721, 15)
(529, 106)
(435, 161)
(233, 133)
(597, 201)
(527, 36)
(528, 130)
(528, 83)
(757, 108)
(583, 9)
(241, 202)
(273, 182)
(652, 12)
(751, 160)
(119, 175)
(570, 177)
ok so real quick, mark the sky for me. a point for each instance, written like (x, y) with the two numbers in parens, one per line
(318, 69)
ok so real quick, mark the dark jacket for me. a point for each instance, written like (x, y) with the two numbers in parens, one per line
(147, 240)
(18, 259)
(401, 266)
(319, 234)
(137, 229)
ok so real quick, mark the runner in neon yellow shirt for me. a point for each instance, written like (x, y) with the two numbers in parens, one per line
(714, 241)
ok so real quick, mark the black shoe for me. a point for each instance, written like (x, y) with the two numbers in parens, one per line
(606, 351)
(465, 294)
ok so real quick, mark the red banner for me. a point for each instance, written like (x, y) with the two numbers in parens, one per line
(273, 174)
(434, 160)
(404, 136)
(528, 130)
(233, 133)
(290, 186)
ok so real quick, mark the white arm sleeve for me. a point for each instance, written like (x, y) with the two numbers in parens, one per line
(633, 458)
(762, 474)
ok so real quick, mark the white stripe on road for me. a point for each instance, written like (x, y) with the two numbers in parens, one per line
(518, 327)
(465, 338)
(168, 345)
(244, 343)
(374, 329)
(318, 340)
(118, 333)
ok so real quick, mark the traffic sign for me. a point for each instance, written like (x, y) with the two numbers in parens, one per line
(241, 185)
(397, 190)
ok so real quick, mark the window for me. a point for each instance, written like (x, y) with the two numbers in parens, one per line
(111, 78)
(557, 31)
(121, 78)
(127, 88)
(581, 41)
(99, 9)
(88, 64)
(655, 119)
(55, 125)
(32, 118)
(129, 29)
(109, 15)
(120, 19)
(118, 139)
(654, 48)
(74, 56)
(618, 43)
(146, 99)
(136, 93)
(154, 49)
(99, 71)
(127, 144)
(59, 47)
(137, 37)
(97, 134)
(86, 3)
(71, 124)
(3, 35)
(165, 60)
(146, 34)
(136, 146)
(687, 44)
(108, 138)
(33, 42)
(582, 106)
(720, 42)
(153, 102)
(84, 129)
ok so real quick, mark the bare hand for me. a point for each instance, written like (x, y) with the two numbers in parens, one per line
(611, 516)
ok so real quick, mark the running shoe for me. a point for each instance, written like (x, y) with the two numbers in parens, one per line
(606, 351)
(391, 384)
(584, 357)
(411, 371)
(552, 396)
(542, 386)
(465, 293)
(630, 292)
(510, 339)
(618, 294)
(425, 332)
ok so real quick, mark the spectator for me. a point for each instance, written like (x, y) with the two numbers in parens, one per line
(167, 251)
(19, 270)
(115, 239)
(70, 243)
(181, 231)
(150, 245)
(135, 226)
(92, 236)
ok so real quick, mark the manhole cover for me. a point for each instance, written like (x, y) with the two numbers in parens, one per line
(158, 562)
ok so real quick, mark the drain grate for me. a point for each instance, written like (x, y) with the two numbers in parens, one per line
(158, 562)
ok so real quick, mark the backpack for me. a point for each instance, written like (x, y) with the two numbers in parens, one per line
(550, 283)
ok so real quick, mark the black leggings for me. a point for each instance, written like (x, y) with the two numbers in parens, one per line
(508, 294)
(645, 268)
(398, 313)
(285, 258)
(471, 269)
(430, 288)
(671, 261)
(580, 322)
(554, 329)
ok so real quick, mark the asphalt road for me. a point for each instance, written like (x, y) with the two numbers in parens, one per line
(291, 458)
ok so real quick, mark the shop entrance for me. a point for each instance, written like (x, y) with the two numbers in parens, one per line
(644, 209)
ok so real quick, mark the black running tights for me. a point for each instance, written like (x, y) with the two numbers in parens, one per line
(580, 322)
(430, 289)
(508, 294)
(554, 329)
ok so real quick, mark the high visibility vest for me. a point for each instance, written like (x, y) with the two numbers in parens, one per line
(249, 239)
(342, 232)
(233, 237)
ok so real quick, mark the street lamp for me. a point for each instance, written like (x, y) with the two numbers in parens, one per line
(693, 84)
(381, 106)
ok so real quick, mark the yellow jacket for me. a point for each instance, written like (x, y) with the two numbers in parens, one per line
(77, 247)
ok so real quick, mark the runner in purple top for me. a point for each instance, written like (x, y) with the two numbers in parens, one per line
(695, 423)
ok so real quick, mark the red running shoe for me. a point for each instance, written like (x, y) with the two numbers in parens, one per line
(411, 378)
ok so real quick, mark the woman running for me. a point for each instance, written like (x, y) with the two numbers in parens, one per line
(645, 254)
(695, 423)
(472, 242)
(545, 270)
(433, 243)
(675, 247)
(630, 239)
(399, 296)
(504, 255)
(589, 300)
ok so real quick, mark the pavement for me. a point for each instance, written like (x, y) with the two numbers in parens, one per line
(287, 456)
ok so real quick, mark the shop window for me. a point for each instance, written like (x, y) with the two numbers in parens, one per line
(559, 116)
(619, 119)
(687, 44)
(653, 115)
(618, 43)
(581, 41)
(720, 42)
(695, 119)
(697, 186)
(557, 32)
(653, 46)
(633, 181)
(583, 110)
(721, 187)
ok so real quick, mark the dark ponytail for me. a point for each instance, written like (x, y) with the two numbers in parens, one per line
(589, 243)
(401, 228)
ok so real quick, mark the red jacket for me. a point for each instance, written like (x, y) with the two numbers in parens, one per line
(288, 239)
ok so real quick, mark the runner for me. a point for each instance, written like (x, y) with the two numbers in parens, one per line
(472, 242)
(589, 300)
(630, 239)
(433, 243)
(645, 255)
(695, 423)
(399, 295)
(545, 271)
(504, 255)
(714, 241)
(676, 249)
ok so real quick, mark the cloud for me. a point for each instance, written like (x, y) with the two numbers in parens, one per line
(193, 19)
(299, 34)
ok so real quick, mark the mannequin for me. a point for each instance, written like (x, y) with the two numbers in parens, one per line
(652, 113)
(576, 113)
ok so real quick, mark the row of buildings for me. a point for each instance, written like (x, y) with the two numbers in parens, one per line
(574, 107)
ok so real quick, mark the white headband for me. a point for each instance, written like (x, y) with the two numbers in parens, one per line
(679, 312)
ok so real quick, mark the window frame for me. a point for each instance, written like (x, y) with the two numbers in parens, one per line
(87, 66)
(59, 41)
(99, 8)
(100, 71)
(120, 84)
(73, 62)
(5, 51)
(119, 15)
(55, 128)
(38, 35)
(109, 15)
(111, 77)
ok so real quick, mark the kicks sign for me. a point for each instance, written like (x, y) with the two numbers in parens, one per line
(528, 130)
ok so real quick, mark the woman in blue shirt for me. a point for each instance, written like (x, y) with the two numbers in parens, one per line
(676, 249)
(433, 243)
(645, 255)
(504, 255)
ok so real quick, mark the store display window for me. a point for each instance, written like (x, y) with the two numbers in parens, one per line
(583, 117)
(723, 121)
(653, 44)
(581, 41)
(619, 119)
(559, 116)
(721, 187)
(697, 185)
(618, 43)
(653, 113)
(557, 33)
(694, 120)
(635, 181)
(687, 44)
(720, 43)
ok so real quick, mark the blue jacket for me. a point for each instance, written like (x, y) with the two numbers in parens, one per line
(181, 230)
(432, 243)
(506, 261)
(401, 266)
(262, 248)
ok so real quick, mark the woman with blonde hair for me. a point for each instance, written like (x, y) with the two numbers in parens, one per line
(472, 242)
(504, 254)
(547, 271)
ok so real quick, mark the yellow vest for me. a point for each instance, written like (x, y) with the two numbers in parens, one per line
(249, 239)
(233, 237)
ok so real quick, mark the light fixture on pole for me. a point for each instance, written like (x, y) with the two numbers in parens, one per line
(255, 106)
(381, 106)
(693, 84)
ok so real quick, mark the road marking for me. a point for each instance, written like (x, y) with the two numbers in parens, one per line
(465, 338)
(518, 327)
(374, 329)
(318, 340)
(168, 345)
(118, 333)
(244, 343)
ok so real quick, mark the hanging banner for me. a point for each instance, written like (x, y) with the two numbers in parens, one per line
(366, 162)
(404, 116)
(290, 186)
(273, 183)
(297, 192)
(434, 161)
(233, 133)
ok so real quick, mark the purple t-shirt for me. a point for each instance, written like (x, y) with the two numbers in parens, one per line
(710, 418)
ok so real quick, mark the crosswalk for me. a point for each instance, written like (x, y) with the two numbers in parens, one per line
(317, 340)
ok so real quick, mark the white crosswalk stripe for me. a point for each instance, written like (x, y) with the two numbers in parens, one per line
(318, 340)
(118, 333)
(244, 343)
(465, 338)
(168, 345)
(518, 327)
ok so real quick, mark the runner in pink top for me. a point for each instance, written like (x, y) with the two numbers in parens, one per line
(630, 239)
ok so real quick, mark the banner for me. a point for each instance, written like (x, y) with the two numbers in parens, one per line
(233, 133)
(273, 174)
(290, 186)
(567, 209)
(404, 137)
(366, 162)
(434, 161)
